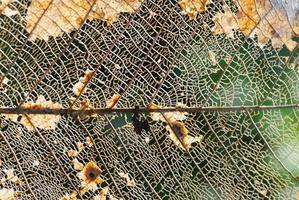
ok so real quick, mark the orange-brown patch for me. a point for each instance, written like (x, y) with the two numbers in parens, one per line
(113, 101)
(91, 172)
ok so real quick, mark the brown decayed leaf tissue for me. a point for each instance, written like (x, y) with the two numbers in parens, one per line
(47, 18)
(181, 137)
(41, 121)
(111, 103)
(90, 177)
(262, 18)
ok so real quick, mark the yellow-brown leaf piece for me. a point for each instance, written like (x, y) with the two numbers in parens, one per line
(181, 137)
(90, 177)
(111, 103)
(72, 196)
(89, 141)
(6, 10)
(193, 7)
(262, 18)
(72, 153)
(41, 121)
(80, 87)
(130, 182)
(10, 176)
(80, 146)
(47, 18)
(3, 82)
(7, 194)
(77, 165)
(170, 116)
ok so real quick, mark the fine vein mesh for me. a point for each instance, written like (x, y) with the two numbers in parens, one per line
(155, 54)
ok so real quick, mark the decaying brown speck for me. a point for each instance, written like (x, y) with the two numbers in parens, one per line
(83, 105)
(178, 132)
(3, 82)
(47, 18)
(90, 177)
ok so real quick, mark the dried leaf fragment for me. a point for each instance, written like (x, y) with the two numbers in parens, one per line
(72, 196)
(111, 103)
(178, 133)
(35, 163)
(147, 140)
(42, 121)
(262, 18)
(80, 146)
(193, 7)
(212, 57)
(10, 176)
(264, 193)
(77, 165)
(170, 116)
(297, 196)
(80, 87)
(6, 10)
(7, 194)
(104, 195)
(180, 137)
(3, 82)
(90, 177)
(130, 182)
(72, 153)
(89, 141)
(47, 18)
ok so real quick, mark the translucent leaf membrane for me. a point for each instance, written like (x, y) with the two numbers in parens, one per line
(157, 54)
